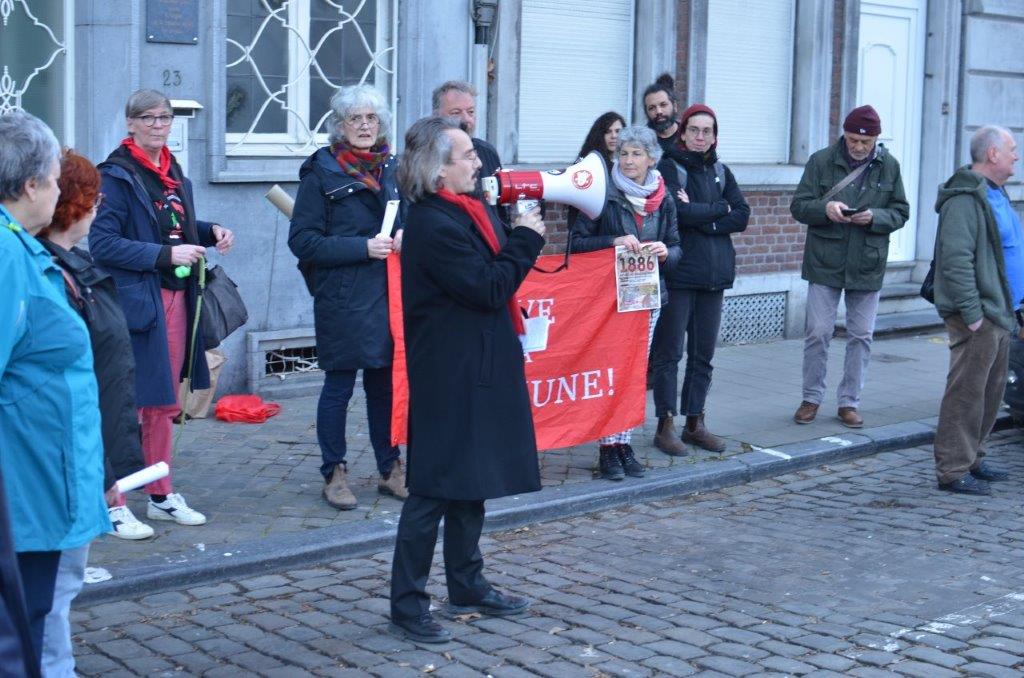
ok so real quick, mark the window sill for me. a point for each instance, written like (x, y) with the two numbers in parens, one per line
(775, 176)
(235, 169)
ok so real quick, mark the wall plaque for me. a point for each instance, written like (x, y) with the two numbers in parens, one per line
(175, 21)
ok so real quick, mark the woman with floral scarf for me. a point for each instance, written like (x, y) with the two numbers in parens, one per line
(336, 234)
(637, 216)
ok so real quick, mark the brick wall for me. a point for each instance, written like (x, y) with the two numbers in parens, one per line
(773, 241)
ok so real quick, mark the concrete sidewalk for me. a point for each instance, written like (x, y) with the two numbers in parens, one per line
(260, 487)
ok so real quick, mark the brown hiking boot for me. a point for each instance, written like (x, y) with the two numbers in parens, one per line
(806, 413)
(336, 490)
(696, 434)
(394, 484)
(665, 439)
(849, 417)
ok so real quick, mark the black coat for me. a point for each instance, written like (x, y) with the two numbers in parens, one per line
(113, 360)
(617, 220)
(334, 216)
(706, 223)
(470, 424)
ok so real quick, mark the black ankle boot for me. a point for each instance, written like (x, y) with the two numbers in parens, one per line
(608, 463)
(630, 465)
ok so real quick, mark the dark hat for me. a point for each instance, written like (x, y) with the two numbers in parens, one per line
(698, 109)
(863, 120)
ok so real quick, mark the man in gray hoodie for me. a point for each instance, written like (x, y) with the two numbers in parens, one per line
(979, 283)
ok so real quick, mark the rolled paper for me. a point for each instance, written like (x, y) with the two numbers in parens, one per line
(281, 200)
(139, 478)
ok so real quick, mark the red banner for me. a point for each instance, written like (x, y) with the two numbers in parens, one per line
(591, 379)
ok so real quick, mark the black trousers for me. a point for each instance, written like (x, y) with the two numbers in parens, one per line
(414, 551)
(694, 316)
(38, 578)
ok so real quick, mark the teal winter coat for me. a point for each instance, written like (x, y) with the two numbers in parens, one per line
(51, 449)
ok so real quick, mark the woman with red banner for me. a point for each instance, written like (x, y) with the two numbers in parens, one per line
(637, 217)
(471, 434)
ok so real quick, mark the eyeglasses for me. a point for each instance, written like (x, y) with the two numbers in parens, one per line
(370, 119)
(98, 201)
(151, 120)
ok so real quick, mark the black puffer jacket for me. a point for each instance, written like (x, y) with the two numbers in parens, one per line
(617, 220)
(113, 360)
(707, 222)
(334, 216)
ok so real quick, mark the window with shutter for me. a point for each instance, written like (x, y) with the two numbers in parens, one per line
(750, 77)
(576, 62)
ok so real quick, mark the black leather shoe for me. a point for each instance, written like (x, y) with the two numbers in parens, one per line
(423, 629)
(986, 471)
(966, 484)
(495, 604)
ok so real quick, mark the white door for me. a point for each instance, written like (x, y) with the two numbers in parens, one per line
(890, 77)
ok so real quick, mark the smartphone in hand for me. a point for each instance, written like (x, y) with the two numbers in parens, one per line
(849, 212)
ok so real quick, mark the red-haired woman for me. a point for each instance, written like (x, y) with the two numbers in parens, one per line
(91, 292)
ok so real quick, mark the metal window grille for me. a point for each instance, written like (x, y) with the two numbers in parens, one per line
(751, 318)
(34, 52)
(285, 58)
(282, 362)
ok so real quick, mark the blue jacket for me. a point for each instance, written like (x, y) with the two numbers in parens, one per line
(51, 450)
(125, 241)
(335, 214)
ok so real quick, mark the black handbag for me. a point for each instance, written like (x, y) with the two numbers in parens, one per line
(223, 308)
(928, 286)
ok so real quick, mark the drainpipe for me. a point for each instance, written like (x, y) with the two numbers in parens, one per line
(484, 13)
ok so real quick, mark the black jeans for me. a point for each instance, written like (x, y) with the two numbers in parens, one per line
(332, 409)
(38, 578)
(414, 551)
(695, 316)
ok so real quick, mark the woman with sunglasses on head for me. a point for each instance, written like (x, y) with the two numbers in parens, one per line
(148, 237)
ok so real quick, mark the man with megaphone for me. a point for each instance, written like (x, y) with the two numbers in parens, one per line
(470, 435)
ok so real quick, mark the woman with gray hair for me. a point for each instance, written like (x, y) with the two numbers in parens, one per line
(148, 237)
(51, 449)
(336, 233)
(638, 217)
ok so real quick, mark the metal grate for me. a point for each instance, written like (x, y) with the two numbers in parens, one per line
(751, 318)
(282, 362)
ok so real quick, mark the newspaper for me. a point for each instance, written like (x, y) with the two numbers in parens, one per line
(636, 280)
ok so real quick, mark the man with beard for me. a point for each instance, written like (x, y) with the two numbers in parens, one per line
(709, 209)
(661, 106)
(851, 198)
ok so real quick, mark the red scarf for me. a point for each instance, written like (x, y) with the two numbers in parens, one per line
(478, 213)
(362, 165)
(163, 171)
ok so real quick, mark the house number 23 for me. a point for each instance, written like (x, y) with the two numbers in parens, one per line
(172, 78)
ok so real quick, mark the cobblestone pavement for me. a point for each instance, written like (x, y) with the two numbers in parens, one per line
(862, 569)
(258, 481)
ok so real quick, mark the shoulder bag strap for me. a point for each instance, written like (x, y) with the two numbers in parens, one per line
(846, 181)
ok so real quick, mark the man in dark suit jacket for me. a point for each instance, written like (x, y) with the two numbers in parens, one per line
(471, 432)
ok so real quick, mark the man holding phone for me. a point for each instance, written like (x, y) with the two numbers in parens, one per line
(851, 198)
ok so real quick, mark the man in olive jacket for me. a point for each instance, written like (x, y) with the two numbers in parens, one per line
(845, 253)
(979, 282)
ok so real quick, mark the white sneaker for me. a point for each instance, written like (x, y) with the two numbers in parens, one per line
(126, 525)
(174, 508)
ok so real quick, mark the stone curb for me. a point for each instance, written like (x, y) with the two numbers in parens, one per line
(251, 558)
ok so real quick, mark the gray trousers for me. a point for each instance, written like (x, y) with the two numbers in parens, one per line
(978, 362)
(58, 655)
(861, 309)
